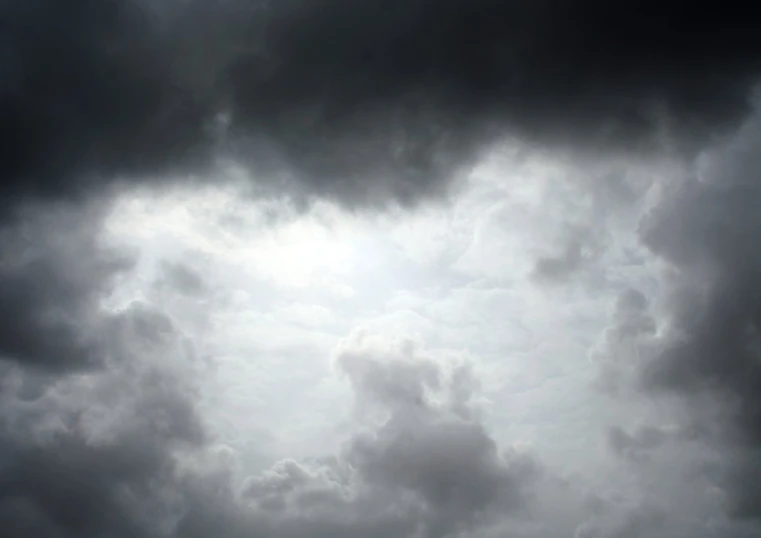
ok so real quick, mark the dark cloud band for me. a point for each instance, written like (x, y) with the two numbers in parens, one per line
(359, 100)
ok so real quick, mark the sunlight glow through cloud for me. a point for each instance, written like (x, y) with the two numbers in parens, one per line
(380, 269)
(295, 251)
(289, 285)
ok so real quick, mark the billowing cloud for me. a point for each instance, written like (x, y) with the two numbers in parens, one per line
(420, 462)
(121, 450)
(53, 272)
(94, 453)
(95, 405)
(628, 341)
(103, 430)
(361, 101)
(704, 349)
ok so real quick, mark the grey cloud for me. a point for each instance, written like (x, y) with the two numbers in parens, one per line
(639, 520)
(53, 271)
(91, 419)
(455, 468)
(593, 203)
(93, 454)
(663, 489)
(444, 454)
(328, 498)
(420, 465)
(638, 444)
(405, 383)
(361, 101)
(707, 229)
(580, 250)
(182, 278)
(626, 343)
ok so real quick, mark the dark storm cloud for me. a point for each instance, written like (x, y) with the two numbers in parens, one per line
(52, 274)
(708, 229)
(90, 418)
(92, 455)
(364, 102)
(358, 100)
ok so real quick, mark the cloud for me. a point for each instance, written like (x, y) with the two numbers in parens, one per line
(420, 453)
(708, 353)
(120, 448)
(95, 408)
(580, 250)
(93, 454)
(626, 343)
(418, 463)
(636, 445)
(359, 101)
(365, 103)
(181, 278)
(53, 271)
(624, 520)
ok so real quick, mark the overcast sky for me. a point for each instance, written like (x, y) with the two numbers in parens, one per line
(380, 269)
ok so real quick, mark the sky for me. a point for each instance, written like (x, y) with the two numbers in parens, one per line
(400, 269)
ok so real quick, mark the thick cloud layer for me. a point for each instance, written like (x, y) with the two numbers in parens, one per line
(357, 100)
(93, 454)
(703, 346)
(91, 419)
(708, 229)
(364, 102)
(53, 272)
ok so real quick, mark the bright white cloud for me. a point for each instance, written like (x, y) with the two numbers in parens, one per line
(286, 285)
